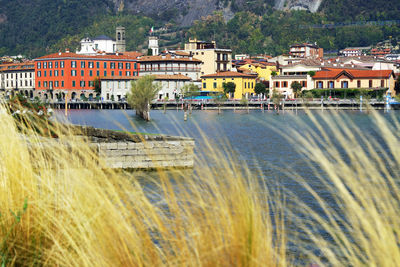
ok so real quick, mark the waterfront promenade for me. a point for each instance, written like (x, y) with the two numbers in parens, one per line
(348, 104)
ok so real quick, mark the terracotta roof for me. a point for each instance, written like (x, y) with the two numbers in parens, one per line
(134, 54)
(158, 77)
(120, 56)
(352, 73)
(222, 74)
(167, 57)
(18, 66)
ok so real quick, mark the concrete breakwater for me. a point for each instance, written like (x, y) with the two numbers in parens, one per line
(121, 150)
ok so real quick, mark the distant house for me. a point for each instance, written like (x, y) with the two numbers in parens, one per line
(380, 52)
(354, 51)
(17, 78)
(117, 87)
(103, 44)
(245, 83)
(306, 50)
(214, 59)
(352, 78)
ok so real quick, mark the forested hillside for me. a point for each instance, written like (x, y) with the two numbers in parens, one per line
(37, 27)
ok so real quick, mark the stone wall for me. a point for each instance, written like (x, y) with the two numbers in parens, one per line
(148, 154)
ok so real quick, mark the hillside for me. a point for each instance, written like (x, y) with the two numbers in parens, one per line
(36, 27)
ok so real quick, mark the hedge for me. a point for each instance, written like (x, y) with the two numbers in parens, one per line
(346, 93)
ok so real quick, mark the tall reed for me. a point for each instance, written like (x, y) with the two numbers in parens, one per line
(60, 206)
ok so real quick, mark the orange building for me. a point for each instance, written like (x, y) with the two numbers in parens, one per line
(69, 71)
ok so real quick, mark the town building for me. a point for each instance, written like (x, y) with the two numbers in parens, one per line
(329, 78)
(171, 64)
(354, 51)
(214, 59)
(245, 83)
(103, 44)
(117, 88)
(153, 46)
(380, 52)
(306, 50)
(17, 78)
(262, 68)
(61, 73)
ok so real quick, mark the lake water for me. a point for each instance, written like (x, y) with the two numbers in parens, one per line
(259, 140)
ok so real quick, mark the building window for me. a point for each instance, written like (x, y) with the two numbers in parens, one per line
(38, 83)
(105, 65)
(39, 65)
(120, 66)
(83, 64)
(90, 64)
(345, 84)
(135, 66)
(284, 84)
(370, 83)
(45, 73)
(73, 64)
(277, 84)
(91, 83)
(82, 73)
(112, 73)
(128, 66)
(91, 73)
(62, 83)
(82, 83)
(204, 85)
(358, 84)
(112, 65)
(135, 73)
(50, 73)
(62, 72)
(245, 84)
(382, 83)
(62, 64)
(50, 65)
(320, 84)
(97, 73)
(215, 85)
(120, 73)
(44, 65)
(128, 73)
(105, 74)
(45, 84)
(51, 85)
(98, 65)
(73, 83)
(330, 85)
(73, 72)
(39, 73)
(56, 73)
(56, 64)
(56, 84)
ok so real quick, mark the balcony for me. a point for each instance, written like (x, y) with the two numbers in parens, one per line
(171, 69)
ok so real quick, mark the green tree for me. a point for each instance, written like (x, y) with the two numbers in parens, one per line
(260, 88)
(229, 88)
(97, 85)
(143, 91)
(311, 73)
(274, 73)
(190, 90)
(296, 87)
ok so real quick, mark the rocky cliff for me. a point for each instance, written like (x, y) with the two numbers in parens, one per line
(186, 11)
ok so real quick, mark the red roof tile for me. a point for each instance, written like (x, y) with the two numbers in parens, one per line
(30, 65)
(352, 73)
(120, 56)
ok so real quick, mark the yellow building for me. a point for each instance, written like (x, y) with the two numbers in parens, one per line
(245, 83)
(214, 59)
(263, 70)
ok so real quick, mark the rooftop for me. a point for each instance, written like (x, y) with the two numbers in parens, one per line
(119, 56)
(159, 77)
(229, 74)
(329, 73)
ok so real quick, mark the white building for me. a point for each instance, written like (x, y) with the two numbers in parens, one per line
(100, 44)
(153, 45)
(19, 77)
(117, 87)
(171, 64)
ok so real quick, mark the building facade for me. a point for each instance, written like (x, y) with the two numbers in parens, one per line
(356, 79)
(59, 73)
(117, 88)
(17, 78)
(214, 59)
(245, 83)
(306, 50)
(171, 64)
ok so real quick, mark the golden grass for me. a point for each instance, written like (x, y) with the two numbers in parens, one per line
(361, 225)
(60, 207)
